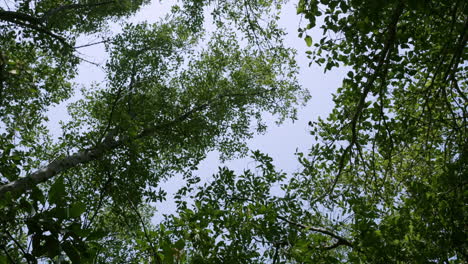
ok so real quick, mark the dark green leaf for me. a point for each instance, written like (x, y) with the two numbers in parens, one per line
(77, 209)
(57, 192)
(71, 252)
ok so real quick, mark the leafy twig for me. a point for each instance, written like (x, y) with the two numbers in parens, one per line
(341, 240)
(382, 57)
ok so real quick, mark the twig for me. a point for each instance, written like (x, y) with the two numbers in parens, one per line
(19, 246)
(91, 44)
(85, 156)
(275, 257)
(53, 11)
(8, 254)
(369, 84)
(341, 240)
(101, 199)
(155, 254)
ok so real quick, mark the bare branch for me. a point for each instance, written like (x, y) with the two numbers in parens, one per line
(91, 44)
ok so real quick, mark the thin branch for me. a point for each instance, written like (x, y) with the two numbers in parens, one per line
(92, 44)
(341, 240)
(455, 61)
(39, 28)
(101, 199)
(111, 114)
(12, 16)
(110, 143)
(275, 257)
(337, 244)
(54, 11)
(460, 92)
(3, 60)
(382, 57)
(8, 254)
(29, 21)
(155, 254)
(87, 61)
(18, 245)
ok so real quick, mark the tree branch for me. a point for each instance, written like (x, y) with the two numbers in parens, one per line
(30, 22)
(91, 44)
(7, 254)
(101, 199)
(60, 165)
(53, 11)
(3, 62)
(19, 246)
(275, 257)
(145, 230)
(341, 240)
(381, 58)
(13, 16)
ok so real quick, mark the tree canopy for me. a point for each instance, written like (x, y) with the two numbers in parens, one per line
(384, 180)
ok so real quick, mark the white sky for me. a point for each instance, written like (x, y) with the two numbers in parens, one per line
(278, 142)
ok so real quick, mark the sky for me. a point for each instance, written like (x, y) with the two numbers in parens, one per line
(279, 142)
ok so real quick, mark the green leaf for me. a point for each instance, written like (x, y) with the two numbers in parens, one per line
(3, 259)
(77, 209)
(180, 244)
(57, 192)
(96, 235)
(308, 40)
(37, 195)
(52, 246)
(300, 9)
(71, 252)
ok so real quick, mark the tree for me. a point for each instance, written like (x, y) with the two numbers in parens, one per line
(172, 93)
(385, 179)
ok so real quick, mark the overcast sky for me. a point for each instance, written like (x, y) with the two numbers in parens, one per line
(280, 142)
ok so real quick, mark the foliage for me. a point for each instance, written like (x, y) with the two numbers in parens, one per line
(385, 179)
(172, 92)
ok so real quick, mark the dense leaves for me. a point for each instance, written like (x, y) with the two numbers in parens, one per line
(391, 153)
(385, 179)
(172, 92)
